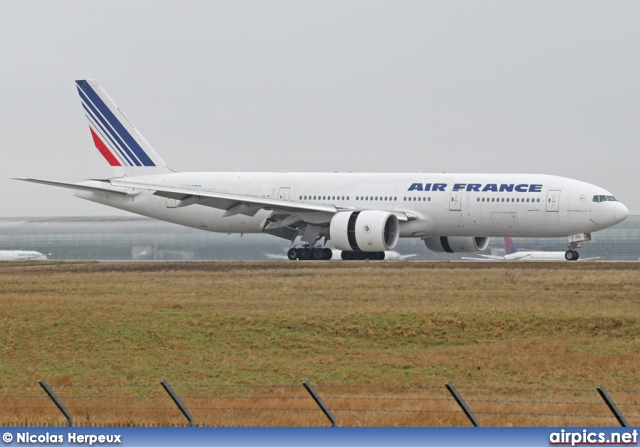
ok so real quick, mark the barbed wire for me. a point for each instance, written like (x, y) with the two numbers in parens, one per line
(319, 386)
(100, 398)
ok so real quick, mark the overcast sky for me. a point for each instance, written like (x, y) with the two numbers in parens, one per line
(384, 86)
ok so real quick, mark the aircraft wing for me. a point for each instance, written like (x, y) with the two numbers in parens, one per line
(235, 203)
(285, 219)
(232, 203)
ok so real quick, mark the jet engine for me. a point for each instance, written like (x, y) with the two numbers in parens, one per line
(456, 244)
(370, 230)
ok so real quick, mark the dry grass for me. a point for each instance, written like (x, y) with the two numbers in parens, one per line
(504, 334)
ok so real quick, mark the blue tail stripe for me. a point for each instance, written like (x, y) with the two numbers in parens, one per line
(114, 136)
(115, 124)
(118, 128)
(119, 152)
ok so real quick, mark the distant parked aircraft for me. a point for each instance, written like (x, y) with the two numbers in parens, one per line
(512, 254)
(21, 255)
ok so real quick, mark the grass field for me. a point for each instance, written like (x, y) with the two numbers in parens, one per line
(522, 339)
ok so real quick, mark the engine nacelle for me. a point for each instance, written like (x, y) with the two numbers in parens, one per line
(456, 244)
(370, 230)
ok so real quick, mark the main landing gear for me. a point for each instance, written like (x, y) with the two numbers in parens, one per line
(362, 255)
(306, 253)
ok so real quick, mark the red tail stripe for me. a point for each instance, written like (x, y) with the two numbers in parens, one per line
(104, 150)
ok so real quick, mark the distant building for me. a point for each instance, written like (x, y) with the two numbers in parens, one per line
(130, 238)
(140, 238)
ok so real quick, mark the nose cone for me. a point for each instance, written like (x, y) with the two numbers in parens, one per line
(621, 212)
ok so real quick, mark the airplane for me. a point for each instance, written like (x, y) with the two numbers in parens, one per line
(361, 214)
(21, 255)
(512, 254)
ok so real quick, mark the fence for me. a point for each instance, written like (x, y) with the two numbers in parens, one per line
(164, 404)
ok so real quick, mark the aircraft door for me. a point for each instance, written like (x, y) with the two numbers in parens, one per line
(284, 193)
(553, 201)
(455, 201)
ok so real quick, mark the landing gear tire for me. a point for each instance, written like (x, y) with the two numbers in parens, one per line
(318, 254)
(328, 254)
(292, 254)
(571, 255)
(305, 254)
(362, 256)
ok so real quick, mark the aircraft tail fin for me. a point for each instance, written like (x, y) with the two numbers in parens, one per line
(118, 141)
(509, 246)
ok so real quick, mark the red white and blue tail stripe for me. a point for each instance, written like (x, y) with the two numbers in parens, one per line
(115, 137)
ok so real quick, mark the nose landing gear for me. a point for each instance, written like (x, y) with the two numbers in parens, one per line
(571, 254)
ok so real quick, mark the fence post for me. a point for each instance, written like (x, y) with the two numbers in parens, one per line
(177, 401)
(462, 403)
(56, 401)
(320, 403)
(612, 406)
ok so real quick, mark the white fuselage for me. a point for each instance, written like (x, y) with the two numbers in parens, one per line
(443, 204)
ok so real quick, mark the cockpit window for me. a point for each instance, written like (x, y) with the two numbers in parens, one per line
(604, 199)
